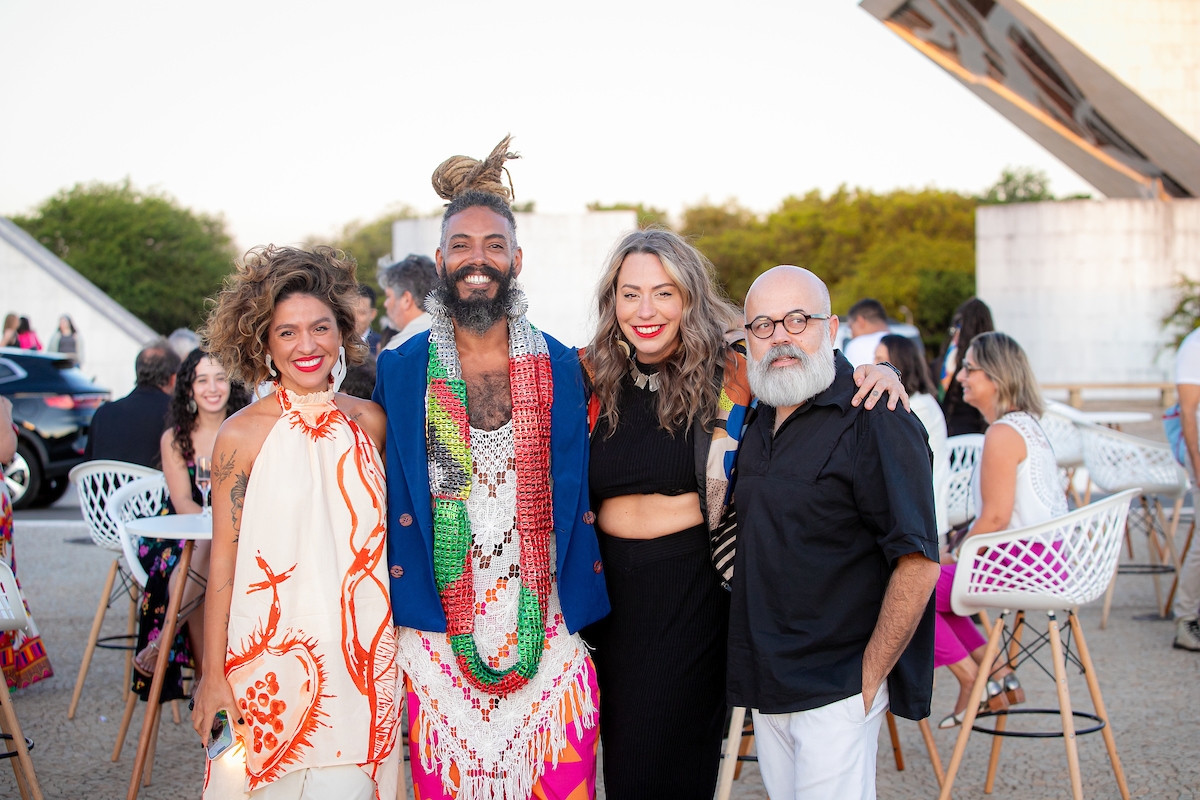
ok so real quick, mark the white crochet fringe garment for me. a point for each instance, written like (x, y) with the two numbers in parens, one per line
(499, 744)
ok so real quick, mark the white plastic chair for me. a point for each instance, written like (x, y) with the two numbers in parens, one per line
(95, 482)
(1052, 567)
(1058, 422)
(14, 618)
(144, 497)
(963, 451)
(1117, 461)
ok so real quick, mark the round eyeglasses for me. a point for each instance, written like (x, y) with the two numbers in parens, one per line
(794, 322)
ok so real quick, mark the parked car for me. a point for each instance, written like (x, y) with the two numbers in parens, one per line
(53, 403)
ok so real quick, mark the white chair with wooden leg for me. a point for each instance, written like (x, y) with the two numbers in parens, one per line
(1117, 461)
(144, 497)
(1058, 423)
(1053, 567)
(95, 481)
(14, 618)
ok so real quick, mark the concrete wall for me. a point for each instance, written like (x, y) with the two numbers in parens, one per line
(562, 256)
(1084, 285)
(34, 283)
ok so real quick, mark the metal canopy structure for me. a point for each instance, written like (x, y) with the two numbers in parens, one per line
(1054, 91)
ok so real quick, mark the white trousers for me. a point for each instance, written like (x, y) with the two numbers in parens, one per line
(1187, 596)
(343, 782)
(826, 753)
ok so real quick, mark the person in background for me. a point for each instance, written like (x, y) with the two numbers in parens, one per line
(970, 319)
(1187, 595)
(9, 337)
(67, 340)
(27, 339)
(23, 658)
(830, 621)
(360, 380)
(183, 341)
(129, 429)
(203, 399)
(406, 284)
(364, 314)
(1015, 485)
(903, 354)
(868, 324)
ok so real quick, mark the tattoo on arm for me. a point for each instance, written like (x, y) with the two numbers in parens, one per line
(223, 469)
(238, 496)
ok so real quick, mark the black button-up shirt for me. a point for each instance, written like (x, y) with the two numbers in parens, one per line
(825, 507)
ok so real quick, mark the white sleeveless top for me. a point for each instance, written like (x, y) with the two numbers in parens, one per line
(1038, 498)
(312, 650)
(499, 744)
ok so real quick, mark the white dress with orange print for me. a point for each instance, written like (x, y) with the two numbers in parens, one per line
(312, 650)
(499, 745)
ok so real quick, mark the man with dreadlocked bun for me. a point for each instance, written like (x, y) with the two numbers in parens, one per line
(493, 559)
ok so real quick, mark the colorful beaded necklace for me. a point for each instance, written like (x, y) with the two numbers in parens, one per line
(448, 443)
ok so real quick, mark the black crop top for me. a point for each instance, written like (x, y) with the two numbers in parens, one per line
(640, 457)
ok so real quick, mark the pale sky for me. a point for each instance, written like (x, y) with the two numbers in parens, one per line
(291, 119)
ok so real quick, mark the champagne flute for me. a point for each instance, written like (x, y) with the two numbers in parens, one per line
(204, 480)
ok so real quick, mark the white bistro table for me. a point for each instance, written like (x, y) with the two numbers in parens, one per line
(188, 528)
(1115, 419)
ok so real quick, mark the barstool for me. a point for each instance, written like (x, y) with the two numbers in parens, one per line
(95, 481)
(1052, 567)
(1117, 461)
(14, 618)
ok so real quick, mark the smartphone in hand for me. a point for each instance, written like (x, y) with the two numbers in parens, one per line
(221, 738)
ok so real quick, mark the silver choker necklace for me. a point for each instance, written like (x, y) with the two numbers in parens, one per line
(640, 379)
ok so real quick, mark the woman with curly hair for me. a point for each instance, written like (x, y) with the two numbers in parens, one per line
(204, 397)
(668, 408)
(299, 643)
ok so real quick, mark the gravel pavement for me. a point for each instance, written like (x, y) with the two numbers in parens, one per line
(1150, 690)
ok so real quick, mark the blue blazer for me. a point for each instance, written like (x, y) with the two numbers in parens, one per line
(400, 389)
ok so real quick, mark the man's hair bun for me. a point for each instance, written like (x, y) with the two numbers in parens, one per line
(459, 174)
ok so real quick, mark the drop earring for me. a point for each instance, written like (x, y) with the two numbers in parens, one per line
(271, 367)
(624, 345)
(338, 373)
(191, 406)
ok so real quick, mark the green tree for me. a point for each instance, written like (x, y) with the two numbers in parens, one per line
(1185, 316)
(1018, 185)
(646, 215)
(154, 257)
(368, 242)
(905, 248)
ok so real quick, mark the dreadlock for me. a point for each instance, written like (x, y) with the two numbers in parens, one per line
(468, 182)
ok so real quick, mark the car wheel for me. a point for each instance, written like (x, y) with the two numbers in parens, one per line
(52, 490)
(23, 477)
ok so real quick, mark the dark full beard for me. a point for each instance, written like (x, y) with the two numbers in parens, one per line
(790, 386)
(476, 312)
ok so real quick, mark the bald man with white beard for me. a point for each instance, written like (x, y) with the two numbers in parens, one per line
(831, 618)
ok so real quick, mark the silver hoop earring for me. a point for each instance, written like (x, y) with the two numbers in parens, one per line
(191, 406)
(271, 367)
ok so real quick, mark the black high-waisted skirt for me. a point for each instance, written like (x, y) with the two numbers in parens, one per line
(660, 662)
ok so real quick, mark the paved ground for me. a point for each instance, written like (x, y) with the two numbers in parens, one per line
(1149, 688)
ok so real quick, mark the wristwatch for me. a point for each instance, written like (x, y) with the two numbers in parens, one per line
(892, 367)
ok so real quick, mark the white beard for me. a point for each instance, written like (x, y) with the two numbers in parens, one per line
(790, 386)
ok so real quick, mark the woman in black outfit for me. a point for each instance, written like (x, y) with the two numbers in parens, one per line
(970, 319)
(667, 407)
